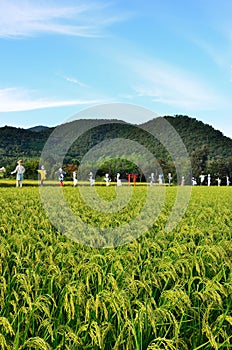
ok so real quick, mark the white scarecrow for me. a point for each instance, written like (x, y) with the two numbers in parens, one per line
(107, 179)
(119, 182)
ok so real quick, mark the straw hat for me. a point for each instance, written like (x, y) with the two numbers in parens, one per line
(19, 161)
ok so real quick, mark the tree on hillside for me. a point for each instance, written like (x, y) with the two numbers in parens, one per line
(69, 169)
(199, 159)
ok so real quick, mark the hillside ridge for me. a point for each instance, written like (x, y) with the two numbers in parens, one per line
(28, 143)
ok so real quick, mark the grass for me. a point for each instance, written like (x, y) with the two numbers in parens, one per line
(163, 290)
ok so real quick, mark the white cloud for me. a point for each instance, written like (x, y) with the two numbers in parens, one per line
(23, 18)
(18, 99)
(170, 85)
(75, 81)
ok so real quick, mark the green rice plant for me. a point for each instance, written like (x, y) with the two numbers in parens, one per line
(163, 343)
(35, 343)
(163, 290)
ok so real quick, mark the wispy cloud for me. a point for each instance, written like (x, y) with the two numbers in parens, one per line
(18, 100)
(23, 18)
(173, 86)
(75, 81)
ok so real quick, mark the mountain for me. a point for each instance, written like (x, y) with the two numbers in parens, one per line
(196, 134)
(38, 128)
(21, 143)
(202, 141)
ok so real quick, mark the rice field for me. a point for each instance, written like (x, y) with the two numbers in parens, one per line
(163, 290)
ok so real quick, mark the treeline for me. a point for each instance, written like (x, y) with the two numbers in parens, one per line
(217, 168)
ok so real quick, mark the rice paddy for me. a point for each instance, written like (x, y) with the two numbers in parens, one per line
(163, 290)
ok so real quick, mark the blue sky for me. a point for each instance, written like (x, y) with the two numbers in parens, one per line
(60, 57)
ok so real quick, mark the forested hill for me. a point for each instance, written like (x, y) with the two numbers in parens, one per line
(28, 143)
(21, 143)
(195, 134)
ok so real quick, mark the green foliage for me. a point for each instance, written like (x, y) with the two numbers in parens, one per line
(195, 134)
(199, 159)
(18, 143)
